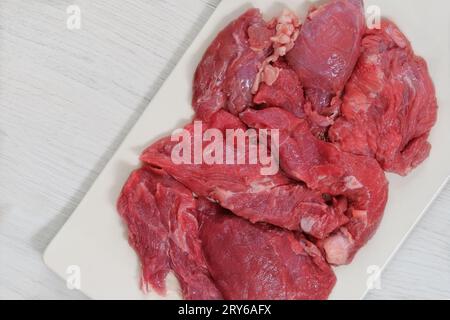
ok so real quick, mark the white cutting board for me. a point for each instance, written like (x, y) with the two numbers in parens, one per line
(94, 239)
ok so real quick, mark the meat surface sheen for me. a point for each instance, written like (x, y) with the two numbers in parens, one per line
(323, 167)
(241, 188)
(162, 227)
(390, 104)
(327, 49)
(227, 72)
(260, 262)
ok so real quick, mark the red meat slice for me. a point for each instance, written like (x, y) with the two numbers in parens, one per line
(390, 104)
(147, 230)
(163, 229)
(260, 262)
(226, 74)
(323, 167)
(327, 49)
(273, 199)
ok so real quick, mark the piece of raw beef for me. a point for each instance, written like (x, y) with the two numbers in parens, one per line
(162, 227)
(226, 74)
(327, 50)
(331, 105)
(261, 262)
(389, 106)
(244, 190)
(323, 167)
(286, 92)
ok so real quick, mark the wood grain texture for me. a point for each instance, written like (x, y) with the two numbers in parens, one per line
(68, 97)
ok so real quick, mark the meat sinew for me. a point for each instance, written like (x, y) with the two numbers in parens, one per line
(323, 167)
(390, 104)
(327, 49)
(260, 262)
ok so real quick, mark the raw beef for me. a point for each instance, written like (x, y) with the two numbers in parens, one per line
(286, 28)
(346, 102)
(273, 199)
(327, 50)
(390, 105)
(147, 230)
(286, 92)
(260, 262)
(227, 72)
(163, 229)
(323, 167)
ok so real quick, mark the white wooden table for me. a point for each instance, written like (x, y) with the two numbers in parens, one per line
(68, 97)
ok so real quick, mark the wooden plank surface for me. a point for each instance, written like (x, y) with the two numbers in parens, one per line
(68, 97)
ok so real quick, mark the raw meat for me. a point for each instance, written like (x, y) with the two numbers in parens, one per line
(286, 92)
(323, 167)
(327, 50)
(286, 28)
(274, 199)
(347, 103)
(227, 72)
(260, 262)
(390, 105)
(147, 230)
(162, 218)
(163, 229)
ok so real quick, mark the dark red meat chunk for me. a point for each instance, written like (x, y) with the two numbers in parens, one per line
(260, 262)
(323, 167)
(286, 92)
(162, 227)
(226, 74)
(327, 49)
(390, 104)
